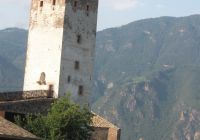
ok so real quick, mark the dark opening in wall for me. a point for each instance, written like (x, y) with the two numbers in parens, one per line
(69, 79)
(11, 116)
(75, 4)
(41, 3)
(78, 39)
(76, 65)
(87, 10)
(54, 2)
(80, 90)
(50, 91)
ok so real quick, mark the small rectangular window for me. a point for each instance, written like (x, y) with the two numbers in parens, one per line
(80, 90)
(79, 39)
(75, 4)
(54, 2)
(69, 79)
(76, 65)
(88, 8)
(41, 3)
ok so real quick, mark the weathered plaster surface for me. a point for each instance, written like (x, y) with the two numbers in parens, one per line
(44, 45)
(53, 47)
(78, 23)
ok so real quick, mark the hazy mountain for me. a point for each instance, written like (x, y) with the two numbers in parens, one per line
(146, 76)
(12, 58)
(147, 73)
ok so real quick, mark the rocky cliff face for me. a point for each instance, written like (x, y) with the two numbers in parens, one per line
(148, 74)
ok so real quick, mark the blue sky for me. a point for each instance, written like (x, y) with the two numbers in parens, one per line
(112, 13)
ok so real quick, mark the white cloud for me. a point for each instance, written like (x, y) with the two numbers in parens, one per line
(119, 4)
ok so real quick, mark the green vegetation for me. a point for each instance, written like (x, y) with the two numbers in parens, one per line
(64, 121)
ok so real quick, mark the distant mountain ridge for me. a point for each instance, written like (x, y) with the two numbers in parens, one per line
(146, 76)
(12, 58)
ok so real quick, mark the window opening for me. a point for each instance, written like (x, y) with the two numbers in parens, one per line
(80, 90)
(69, 79)
(88, 8)
(54, 2)
(79, 39)
(75, 4)
(76, 65)
(41, 3)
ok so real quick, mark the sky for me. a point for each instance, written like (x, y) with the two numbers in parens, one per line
(111, 13)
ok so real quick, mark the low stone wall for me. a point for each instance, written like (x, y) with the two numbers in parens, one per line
(23, 95)
(30, 106)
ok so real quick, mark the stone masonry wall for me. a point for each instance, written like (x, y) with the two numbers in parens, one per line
(31, 106)
(23, 95)
(79, 37)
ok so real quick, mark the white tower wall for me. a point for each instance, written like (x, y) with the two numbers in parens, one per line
(61, 47)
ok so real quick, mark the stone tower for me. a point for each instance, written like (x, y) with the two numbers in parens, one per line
(61, 47)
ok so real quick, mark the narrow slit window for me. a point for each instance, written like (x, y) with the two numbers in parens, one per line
(78, 39)
(54, 2)
(80, 90)
(41, 3)
(88, 8)
(69, 79)
(76, 65)
(75, 4)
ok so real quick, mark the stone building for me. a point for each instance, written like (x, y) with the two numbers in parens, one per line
(60, 57)
(61, 47)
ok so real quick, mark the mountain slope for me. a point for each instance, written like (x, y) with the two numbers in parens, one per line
(12, 58)
(149, 73)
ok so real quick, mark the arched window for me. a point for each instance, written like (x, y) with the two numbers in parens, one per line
(42, 79)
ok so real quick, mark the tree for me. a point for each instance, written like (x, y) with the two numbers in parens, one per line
(64, 121)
